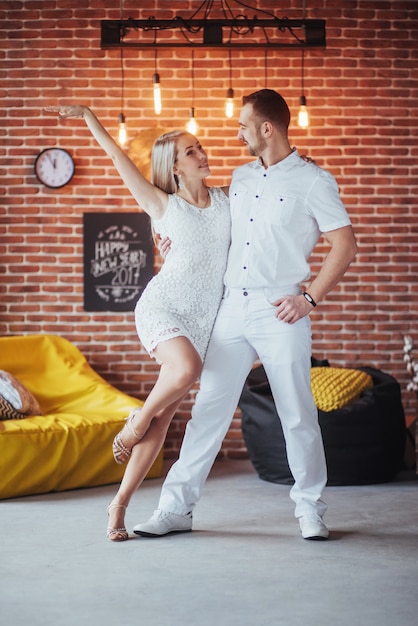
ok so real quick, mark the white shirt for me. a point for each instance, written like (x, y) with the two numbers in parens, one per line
(278, 215)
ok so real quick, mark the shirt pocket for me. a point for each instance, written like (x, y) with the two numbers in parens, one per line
(279, 208)
(238, 199)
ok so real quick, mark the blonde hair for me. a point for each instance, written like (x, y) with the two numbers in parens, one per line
(163, 158)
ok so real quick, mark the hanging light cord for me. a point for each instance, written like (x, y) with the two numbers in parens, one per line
(122, 73)
(155, 54)
(303, 53)
(122, 69)
(265, 68)
(303, 73)
(192, 78)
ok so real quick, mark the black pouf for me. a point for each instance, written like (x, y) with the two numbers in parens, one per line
(364, 441)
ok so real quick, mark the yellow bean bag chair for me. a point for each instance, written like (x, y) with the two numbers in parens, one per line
(70, 444)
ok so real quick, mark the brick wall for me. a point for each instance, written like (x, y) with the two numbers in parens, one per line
(362, 92)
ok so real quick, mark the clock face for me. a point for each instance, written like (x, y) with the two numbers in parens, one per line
(54, 167)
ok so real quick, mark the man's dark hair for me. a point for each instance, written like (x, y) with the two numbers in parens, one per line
(270, 106)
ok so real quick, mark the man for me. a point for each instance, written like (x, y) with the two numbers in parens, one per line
(280, 206)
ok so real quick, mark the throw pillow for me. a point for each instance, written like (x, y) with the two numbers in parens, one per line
(16, 402)
(334, 387)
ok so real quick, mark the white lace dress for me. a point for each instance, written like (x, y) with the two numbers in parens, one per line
(184, 297)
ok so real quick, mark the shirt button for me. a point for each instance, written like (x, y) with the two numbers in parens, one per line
(245, 293)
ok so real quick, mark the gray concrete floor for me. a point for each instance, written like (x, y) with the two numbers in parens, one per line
(245, 563)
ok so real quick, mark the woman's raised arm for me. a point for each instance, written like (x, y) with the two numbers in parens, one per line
(150, 198)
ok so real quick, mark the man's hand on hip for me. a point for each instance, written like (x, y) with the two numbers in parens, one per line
(290, 309)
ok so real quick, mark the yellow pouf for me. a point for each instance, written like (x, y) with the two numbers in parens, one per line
(334, 387)
(70, 445)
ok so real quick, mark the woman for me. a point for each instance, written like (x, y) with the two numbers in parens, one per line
(176, 311)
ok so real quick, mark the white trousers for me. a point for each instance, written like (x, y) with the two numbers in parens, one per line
(246, 328)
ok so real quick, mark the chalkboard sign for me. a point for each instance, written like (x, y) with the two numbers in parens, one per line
(118, 260)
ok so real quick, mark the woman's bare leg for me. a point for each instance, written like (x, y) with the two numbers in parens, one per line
(143, 456)
(181, 366)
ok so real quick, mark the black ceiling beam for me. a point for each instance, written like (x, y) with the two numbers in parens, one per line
(303, 33)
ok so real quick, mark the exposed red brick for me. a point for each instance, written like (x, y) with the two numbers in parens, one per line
(361, 93)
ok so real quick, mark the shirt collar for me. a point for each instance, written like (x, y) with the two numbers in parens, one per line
(284, 164)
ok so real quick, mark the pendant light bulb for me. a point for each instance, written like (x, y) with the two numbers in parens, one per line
(303, 115)
(122, 131)
(229, 103)
(192, 125)
(157, 93)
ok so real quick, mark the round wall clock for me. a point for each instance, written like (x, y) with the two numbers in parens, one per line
(54, 167)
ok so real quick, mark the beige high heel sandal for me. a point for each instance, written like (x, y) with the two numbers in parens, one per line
(120, 452)
(116, 534)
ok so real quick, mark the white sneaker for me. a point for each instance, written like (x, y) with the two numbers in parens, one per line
(163, 523)
(312, 527)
